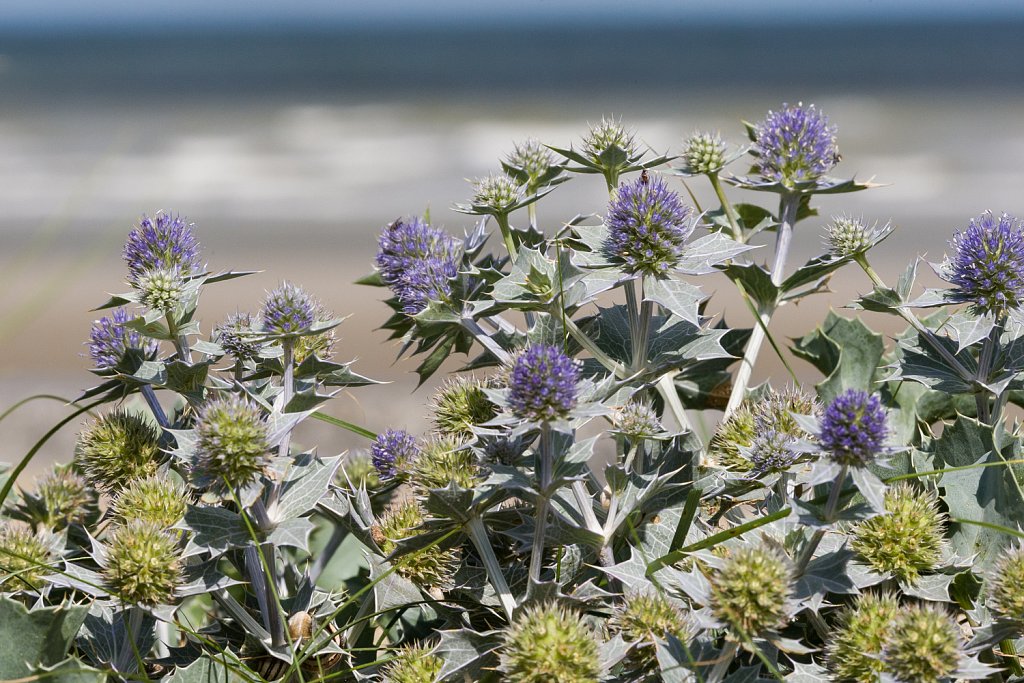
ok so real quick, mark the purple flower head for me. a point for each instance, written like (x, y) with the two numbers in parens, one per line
(110, 339)
(234, 335)
(542, 386)
(392, 448)
(795, 145)
(772, 451)
(854, 428)
(163, 243)
(647, 226)
(988, 267)
(288, 310)
(417, 261)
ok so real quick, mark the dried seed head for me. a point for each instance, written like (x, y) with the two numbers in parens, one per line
(549, 643)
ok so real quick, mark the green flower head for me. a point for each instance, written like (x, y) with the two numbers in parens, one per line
(24, 558)
(549, 644)
(1006, 585)
(116, 449)
(153, 499)
(863, 630)
(925, 645)
(142, 564)
(460, 405)
(231, 444)
(413, 664)
(751, 590)
(431, 567)
(905, 541)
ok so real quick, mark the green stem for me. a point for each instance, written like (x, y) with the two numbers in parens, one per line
(724, 661)
(830, 513)
(478, 535)
(643, 335)
(180, 340)
(544, 464)
(730, 212)
(506, 234)
(918, 326)
(788, 206)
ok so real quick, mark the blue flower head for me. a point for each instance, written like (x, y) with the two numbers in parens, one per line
(542, 385)
(391, 449)
(772, 451)
(163, 243)
(987, 269)
(110, 339)
(853, 428)
(417, 261)
(647, 226)
(288, 310)
(795, 145)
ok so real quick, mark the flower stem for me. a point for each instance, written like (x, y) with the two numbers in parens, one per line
(730, 212)
(830, 514)
(129, 650)
(544, 464)
(788, 205)
(918, 326)
(180, 340)
(154, 406)
(506, 234)
(724, 660)
(613, 366)
(478, 535)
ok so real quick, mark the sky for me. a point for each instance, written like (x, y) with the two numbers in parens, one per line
(164, 13)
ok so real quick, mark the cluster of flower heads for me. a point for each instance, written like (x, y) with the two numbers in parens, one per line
(762, 435)
(647, 227)
(542, 384)
(417, 261)
(853, 428)
(795, 145)
(987, 268)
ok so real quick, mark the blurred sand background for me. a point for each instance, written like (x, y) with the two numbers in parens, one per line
(290, 150)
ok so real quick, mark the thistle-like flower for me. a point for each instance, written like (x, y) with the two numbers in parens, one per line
(609, 139)
(795, 145)
(924, 646)
(158, 500)
(235, 333)
(391, 450)
(862, 632)
(531, 163)
(65, 498)
(357, 469)
(413, 664)
(647, 227)
(24, 558)
(750, 591)
(289, 309)
(496, 192)
(905, 541)
(142, 564)
(637, 420)
(772, 451)
(987, 269)
(231, 444)
(853, 428)
(161, 289)
(848, 237)
(417, 261)
(161, 244)
(110, 339)
(320, 344)
(771, 411)
(461, 404)
(116, 449)
(704, 153)
(431, 567)
(643, 620)
(1006, 585)
(443, 461)
(542, 384)
(549, 643)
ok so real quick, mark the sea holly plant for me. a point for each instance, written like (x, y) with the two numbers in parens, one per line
(601, 494)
